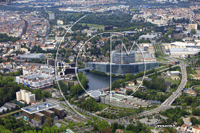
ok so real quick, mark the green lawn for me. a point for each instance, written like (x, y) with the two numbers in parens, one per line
(197, 88)
(100, 27)
(161, 59)
(103, 106)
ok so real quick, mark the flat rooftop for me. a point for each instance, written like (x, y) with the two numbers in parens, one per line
(59, 108)
(35, 108)
(49, 111)
(40, 114)
(146, 62)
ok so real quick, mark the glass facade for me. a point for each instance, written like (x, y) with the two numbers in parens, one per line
(121, 68)
(123, 57)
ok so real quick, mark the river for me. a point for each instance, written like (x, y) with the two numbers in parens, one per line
(98, 81)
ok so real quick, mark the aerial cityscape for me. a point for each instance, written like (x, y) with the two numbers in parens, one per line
(99, 66)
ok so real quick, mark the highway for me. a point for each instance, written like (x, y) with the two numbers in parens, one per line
(167, 103)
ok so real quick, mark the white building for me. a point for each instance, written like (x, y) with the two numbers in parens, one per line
(172, 73)
(25, 96)
(3, 109)
(51, 16)
(131, 84)
(37, 79)
(192, 26)
(183, 52)
(182, 44)
(60, 22)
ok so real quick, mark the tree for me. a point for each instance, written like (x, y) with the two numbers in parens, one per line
(194, 120)
(115, 84)
(169, 130)
(89, 122)
(193, 31)
(62, 128)
(123, 84)
(102, 125)
(54, 129)
(184, 105)
(180, 122)
(48, 123)
(46, 130)
(54, 85)
(114, 126)
(196, 111)
(128, 76)
(129, 92)
(106, 130)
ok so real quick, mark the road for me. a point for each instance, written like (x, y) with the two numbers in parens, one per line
(160, 49)
(167, 103)
(10, 113)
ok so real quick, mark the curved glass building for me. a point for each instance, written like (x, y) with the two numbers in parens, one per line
(123, 57)
(120, 69)
(122, 63)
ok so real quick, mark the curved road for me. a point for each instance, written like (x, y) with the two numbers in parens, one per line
(167, 103)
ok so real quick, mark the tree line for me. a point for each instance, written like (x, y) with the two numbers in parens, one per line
(5, 38)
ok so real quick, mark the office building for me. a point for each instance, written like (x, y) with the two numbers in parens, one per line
(123, 57)
(120, 69)
(122, 63)
(38, 113)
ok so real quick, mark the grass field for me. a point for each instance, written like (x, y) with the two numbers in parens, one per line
(198, 88)
(96, 26)
(161, 59)
(102, 106)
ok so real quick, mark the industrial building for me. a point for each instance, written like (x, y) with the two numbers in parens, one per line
(25, 96)
(183, 52)
(38, 113)
(181, 49)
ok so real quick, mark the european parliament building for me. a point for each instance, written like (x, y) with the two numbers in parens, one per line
(121, 64)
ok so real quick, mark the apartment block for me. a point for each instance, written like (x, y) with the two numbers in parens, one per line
(37, 79)
(25, 96)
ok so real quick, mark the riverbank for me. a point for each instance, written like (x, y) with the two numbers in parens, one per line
(104, 74)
